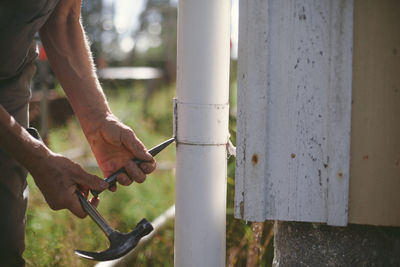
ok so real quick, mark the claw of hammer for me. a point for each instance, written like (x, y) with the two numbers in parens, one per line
(120, 243)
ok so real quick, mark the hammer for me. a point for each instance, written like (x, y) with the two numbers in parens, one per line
(120, 243)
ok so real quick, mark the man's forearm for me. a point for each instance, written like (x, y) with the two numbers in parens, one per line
(113, 143)
(70, 58)
(17, 142)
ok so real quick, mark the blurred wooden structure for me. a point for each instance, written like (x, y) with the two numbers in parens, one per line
(150, 76)
(59, 109)
(129, 73)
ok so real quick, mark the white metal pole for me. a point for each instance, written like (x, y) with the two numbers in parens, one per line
(202, 132)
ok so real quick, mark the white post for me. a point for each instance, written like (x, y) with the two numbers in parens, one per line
(202, 132)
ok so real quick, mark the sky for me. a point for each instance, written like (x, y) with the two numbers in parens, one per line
(127, 14)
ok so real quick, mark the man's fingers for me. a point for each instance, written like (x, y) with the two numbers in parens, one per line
(95, 201)
(78, 212)
(113, 188)
(135, 172)
(124, 179)
(93, 182)
(76, 208)
(136, 147)
(148, 167)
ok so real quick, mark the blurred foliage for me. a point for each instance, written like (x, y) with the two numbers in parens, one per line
(158, 24)
(155, 39)
(94, 17)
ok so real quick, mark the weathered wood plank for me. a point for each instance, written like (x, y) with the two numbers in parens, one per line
(293, 140)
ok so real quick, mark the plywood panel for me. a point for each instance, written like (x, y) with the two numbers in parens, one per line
(375, 139)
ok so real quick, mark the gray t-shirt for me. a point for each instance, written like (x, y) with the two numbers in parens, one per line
(19, 22)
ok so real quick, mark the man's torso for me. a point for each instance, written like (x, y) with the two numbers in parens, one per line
(19, 21)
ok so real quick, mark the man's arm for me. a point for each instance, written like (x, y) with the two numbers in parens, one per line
(56, 176)
(113, 143)
(69, 56)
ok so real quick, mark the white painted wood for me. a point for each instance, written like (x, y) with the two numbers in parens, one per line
(294, 110)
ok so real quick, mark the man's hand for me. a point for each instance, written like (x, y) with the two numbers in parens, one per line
(58, 178)
(115, 145)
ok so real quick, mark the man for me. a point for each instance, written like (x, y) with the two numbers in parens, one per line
(113, 143)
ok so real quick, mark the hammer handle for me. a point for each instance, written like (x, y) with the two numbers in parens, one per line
(112, 179)
(94, 214)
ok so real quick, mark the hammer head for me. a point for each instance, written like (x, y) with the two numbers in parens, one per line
(120, 243)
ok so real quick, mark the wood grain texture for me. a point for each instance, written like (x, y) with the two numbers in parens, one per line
(294, 108)
(375, 141)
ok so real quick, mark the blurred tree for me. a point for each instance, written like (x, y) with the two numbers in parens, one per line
(156, 37)
(98, 21)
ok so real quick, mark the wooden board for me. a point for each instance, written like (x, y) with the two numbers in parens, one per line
(294, 101)
(375, 139)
